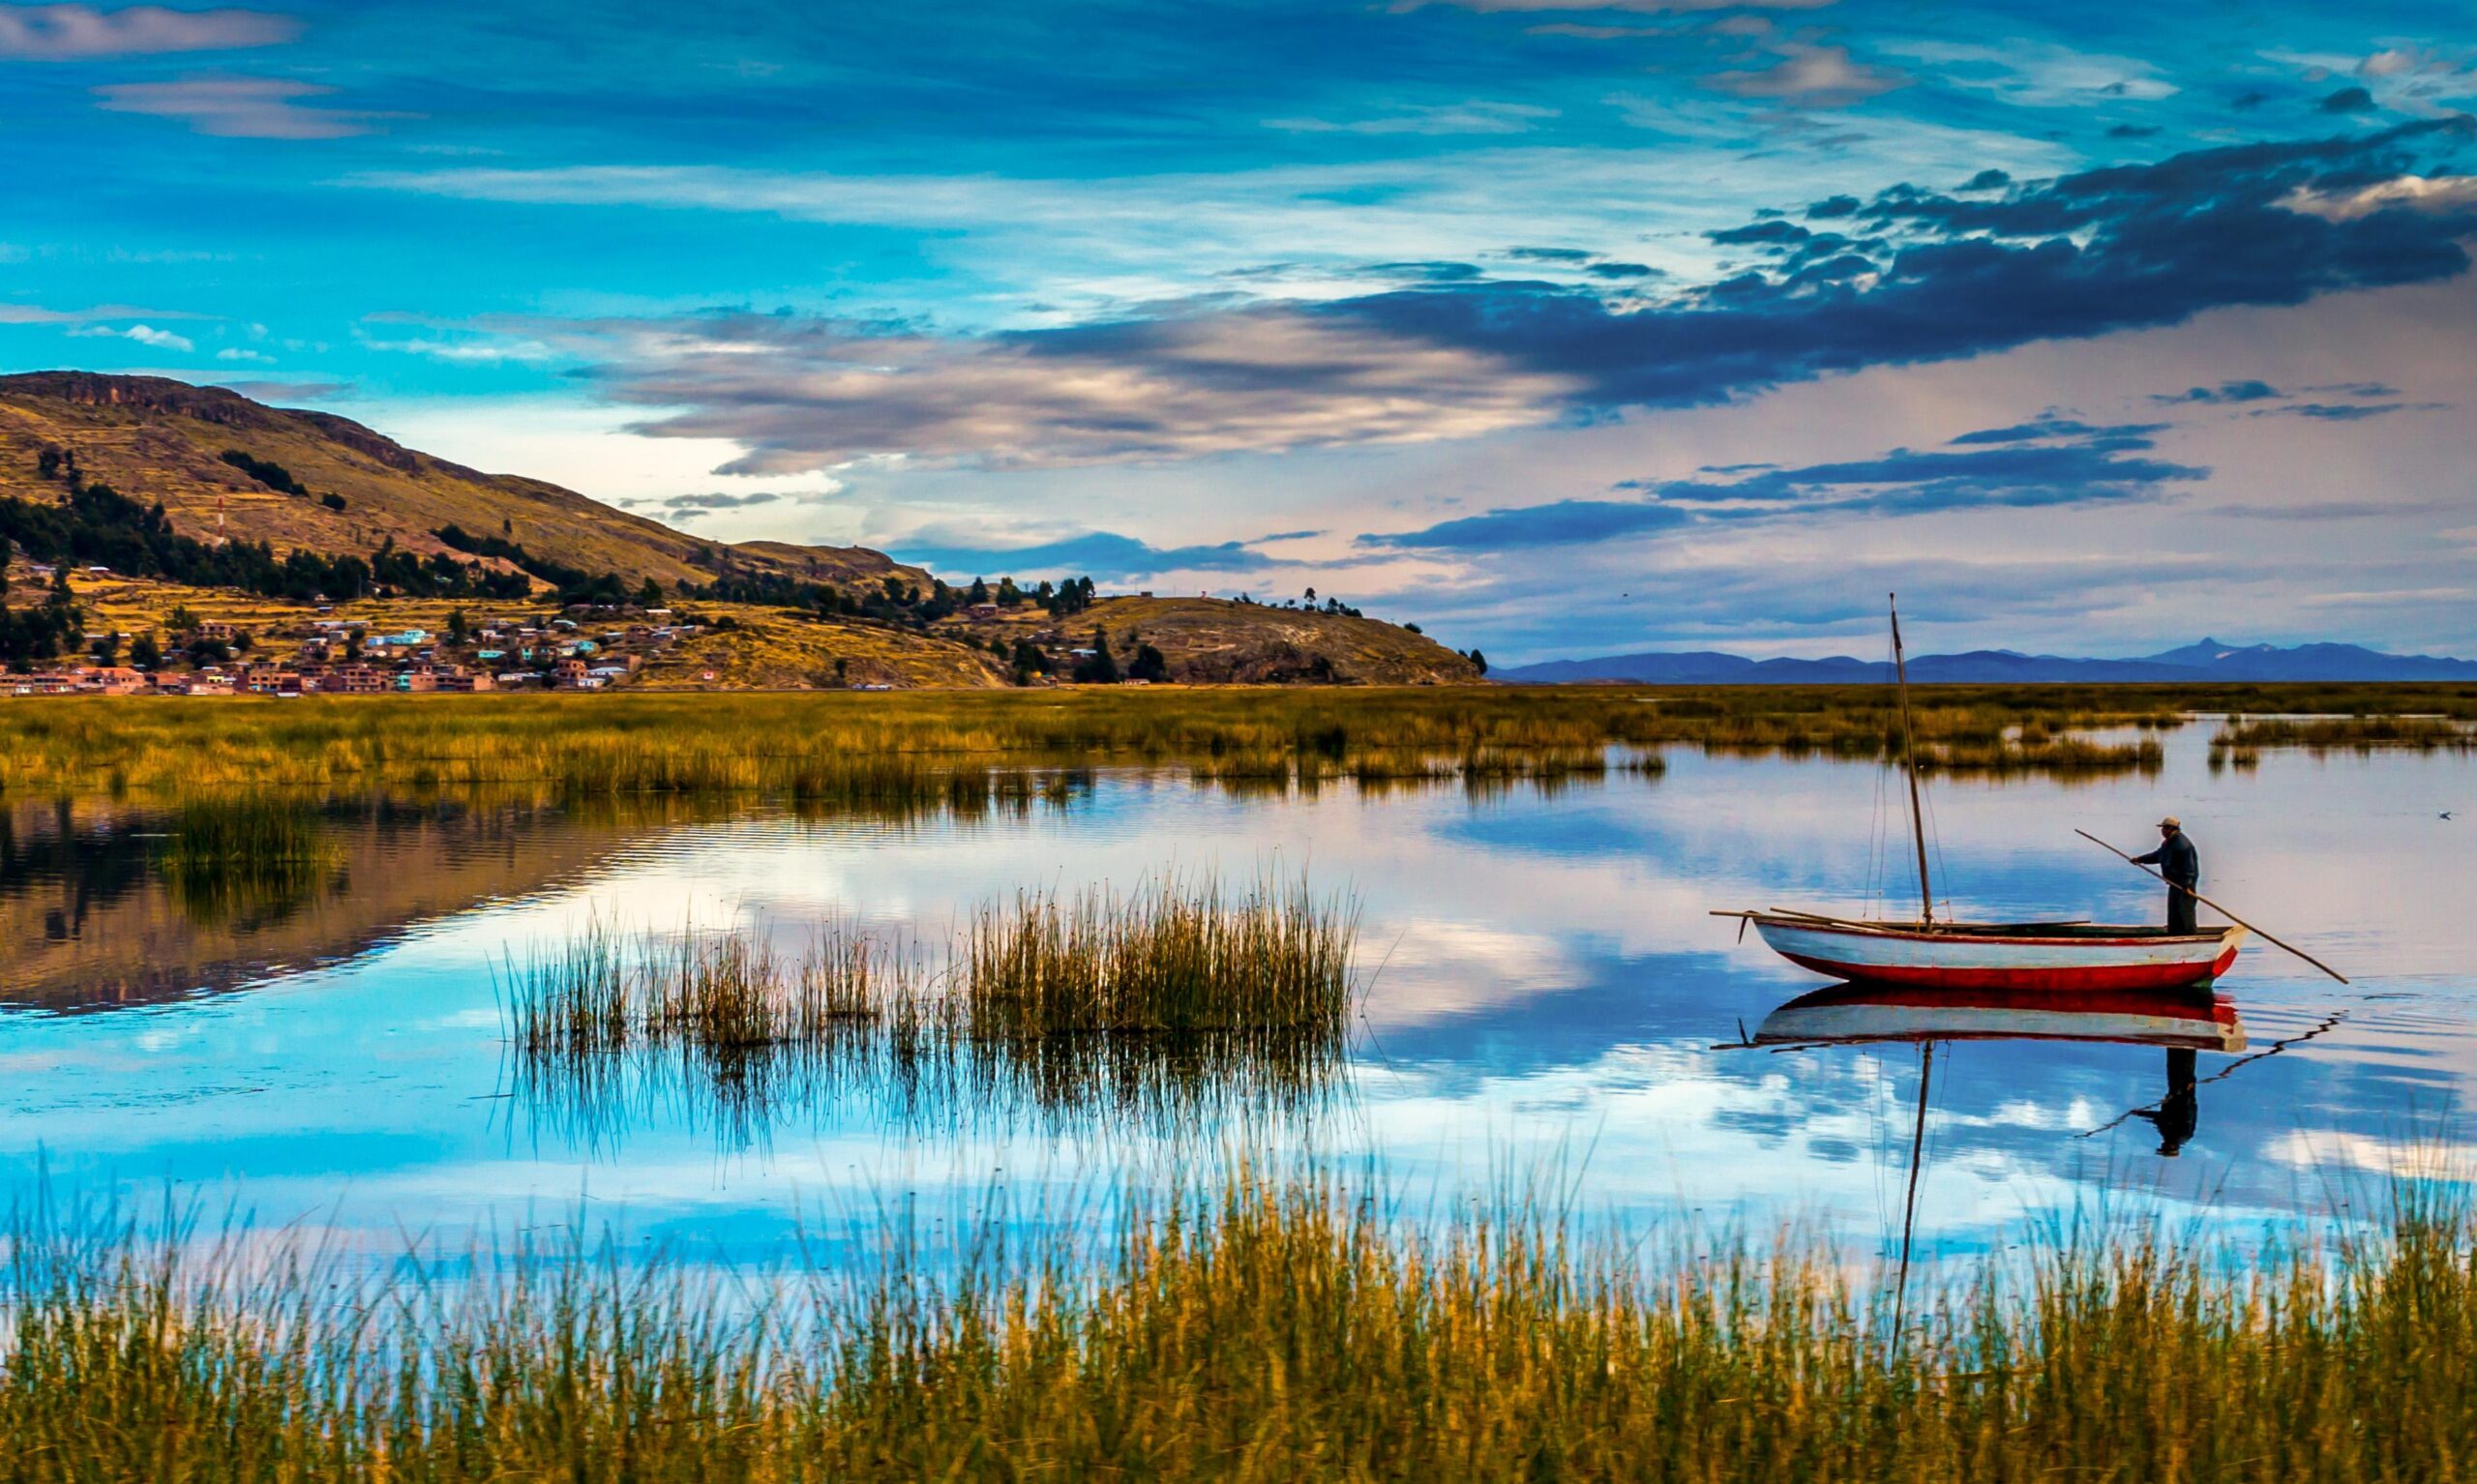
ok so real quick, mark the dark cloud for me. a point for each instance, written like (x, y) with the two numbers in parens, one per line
(1619, 271)
(2355, 389)
(1775, 230)
(2248, 99)
(1983, 180)
(2118, 248)
(1832, 206)
(1094, 553)
(2225, 392)
(1551, 255)
(1915, 276)
(2348, 100)
(2132, 131)
(2050, 425)
(2048, 461)
(1566, 522)
(2344, 412)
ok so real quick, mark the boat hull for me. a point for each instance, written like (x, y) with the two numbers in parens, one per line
(1967, 956)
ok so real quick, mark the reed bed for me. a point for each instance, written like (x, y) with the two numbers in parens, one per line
(835, 745)
(2357, 733)
(1251, 1328)
(1178, 1001)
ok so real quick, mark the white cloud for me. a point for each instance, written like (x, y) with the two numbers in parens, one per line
(249, 356)
(2037, 74)
(1467, 118)
(2414, 193)
(471, 352)
(144, 335)
(1640, 7)
(59, 33)
(238, 107)
(36, 314)
(1820, 76)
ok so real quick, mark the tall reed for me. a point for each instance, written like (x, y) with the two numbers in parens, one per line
(1247, 1328)
(1178, 999)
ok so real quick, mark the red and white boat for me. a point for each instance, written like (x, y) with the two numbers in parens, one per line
(2033, 956)
(1968, 957)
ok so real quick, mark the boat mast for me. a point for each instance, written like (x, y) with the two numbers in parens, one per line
(1909, 758)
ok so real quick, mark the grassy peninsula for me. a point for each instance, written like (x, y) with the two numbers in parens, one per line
(860, 747)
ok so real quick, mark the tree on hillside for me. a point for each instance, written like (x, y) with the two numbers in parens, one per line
(1479, 660)
(456, 627)
(105, 648)
(649, 596)
(979, 593)
(1100, 667)
(1150, 664)
(145, 651)
(1029, 661)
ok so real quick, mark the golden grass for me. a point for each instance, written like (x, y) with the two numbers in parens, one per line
(1256, 1328)
(2241, 735)
(838, 745)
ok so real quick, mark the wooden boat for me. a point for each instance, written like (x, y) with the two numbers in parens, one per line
(2054, 958)
(1968, 957)
(1852, 1014)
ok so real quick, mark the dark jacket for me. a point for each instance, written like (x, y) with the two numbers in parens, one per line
(2177, 860)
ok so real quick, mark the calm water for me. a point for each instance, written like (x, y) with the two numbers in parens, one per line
(1547, 987)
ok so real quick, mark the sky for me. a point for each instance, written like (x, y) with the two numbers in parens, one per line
(1559, 327)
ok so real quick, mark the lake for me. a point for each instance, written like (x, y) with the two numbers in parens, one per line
(1545, 998)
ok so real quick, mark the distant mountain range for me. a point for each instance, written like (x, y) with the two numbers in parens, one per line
(2207, 661)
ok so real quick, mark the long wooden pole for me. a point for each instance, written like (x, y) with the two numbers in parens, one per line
(1909, 755)
(2213, 905)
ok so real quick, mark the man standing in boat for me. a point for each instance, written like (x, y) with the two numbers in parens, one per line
(2181, 865)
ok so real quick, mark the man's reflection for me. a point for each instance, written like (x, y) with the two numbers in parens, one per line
(2176, 1116)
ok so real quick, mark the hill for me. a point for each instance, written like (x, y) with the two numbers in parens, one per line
(295, 487)
(163, 441)
(2206, 661)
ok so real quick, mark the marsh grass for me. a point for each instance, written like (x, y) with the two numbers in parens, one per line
(2241, 737)
(917, 746)
(1248, 1327)
(1173, 1006)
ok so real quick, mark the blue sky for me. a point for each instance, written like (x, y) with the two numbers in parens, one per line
(1561, 328)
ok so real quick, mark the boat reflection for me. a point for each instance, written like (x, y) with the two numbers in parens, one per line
(1853, 1014)
(2184, 1022)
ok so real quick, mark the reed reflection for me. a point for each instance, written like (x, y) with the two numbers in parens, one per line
(1178, 1007)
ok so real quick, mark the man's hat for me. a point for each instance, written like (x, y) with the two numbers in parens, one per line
(2172, 822)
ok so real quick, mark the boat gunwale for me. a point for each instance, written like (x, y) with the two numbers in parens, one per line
(2094, 936)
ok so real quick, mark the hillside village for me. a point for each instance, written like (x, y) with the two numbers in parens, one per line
(157, 538)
